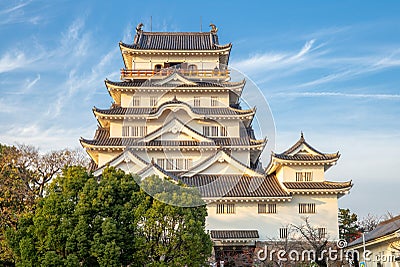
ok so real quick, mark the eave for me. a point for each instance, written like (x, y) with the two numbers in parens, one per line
(246, 199)
(375, 241)
(221, 49)
(242, 114)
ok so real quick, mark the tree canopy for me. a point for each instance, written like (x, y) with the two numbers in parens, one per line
(109, 221)
(348, 226)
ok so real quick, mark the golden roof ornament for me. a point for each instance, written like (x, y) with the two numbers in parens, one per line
(214, 28)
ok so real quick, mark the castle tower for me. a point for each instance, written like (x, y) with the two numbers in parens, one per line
(177, 113)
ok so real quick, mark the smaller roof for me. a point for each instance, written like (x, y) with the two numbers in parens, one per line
(215, 186)
(301, 152)
(234, 234)
(384, 228)
(326, 185)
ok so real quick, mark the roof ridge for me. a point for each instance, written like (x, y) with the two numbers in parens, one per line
(175, 33)
(395, 218)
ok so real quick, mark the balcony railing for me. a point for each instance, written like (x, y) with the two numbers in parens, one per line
(201, 74)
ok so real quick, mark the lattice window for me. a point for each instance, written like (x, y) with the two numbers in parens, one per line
(262, 208)
(220, 208)
(214, 101)
(230, 208)
(175, 164)
(153, 101)
(283, 232)
(322, 233)
(196, 101)
(125, 131)
(304, 176)
(136, 101)
(271, 208)
(214, 131)
(306, 208)
(224, 132)
(134, 131)
(226, 208)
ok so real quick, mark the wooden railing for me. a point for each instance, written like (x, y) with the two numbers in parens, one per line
(208, 74)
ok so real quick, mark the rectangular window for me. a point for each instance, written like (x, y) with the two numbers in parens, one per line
(153, 101)
(161, 163)
(306, 208)
(125, 131)
(267, 208)
(220, 208)
(322, 233)
(262, 208)
(187, 164)
(271, 208)
(225, 208)
(214, 131)
(134, 131)
(136, 101)
(283, 233)
(175, 164)
(223, 131)
(214, 101)
(169, 164)
(230, 208)
(303, 176)
(196, 101)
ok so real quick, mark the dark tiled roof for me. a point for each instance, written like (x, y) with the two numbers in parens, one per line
(92, 166)
(175, 41)
(384, 228)
(150, 110)
(234, 234)
(307, 157)
(286, 155)
(316, 185)
(236, 186)
(103, 139)
(148, 84)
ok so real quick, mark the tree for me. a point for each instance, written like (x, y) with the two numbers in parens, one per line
(24, 173)
(15, 198)
(36, 169)
(108, 221)
(369, 223)
(348, 227)
(311, 238)
(174, 234)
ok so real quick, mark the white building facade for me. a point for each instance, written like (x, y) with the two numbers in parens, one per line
(176, 112)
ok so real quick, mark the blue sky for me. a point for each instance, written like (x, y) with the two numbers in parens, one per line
(328, 68)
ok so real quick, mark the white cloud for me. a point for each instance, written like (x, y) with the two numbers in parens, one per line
(46, 138)
(14, 8)
(261, 63)
(11, 61)
(338, 94)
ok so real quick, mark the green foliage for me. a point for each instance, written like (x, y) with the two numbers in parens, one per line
(86, 221)
(174, 234)
(348, 228)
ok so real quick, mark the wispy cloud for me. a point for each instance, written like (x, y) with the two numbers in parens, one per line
(261, 63)
(338, 94)
(47, 138)
(13, 60)
(14, 8)
(18, 13)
